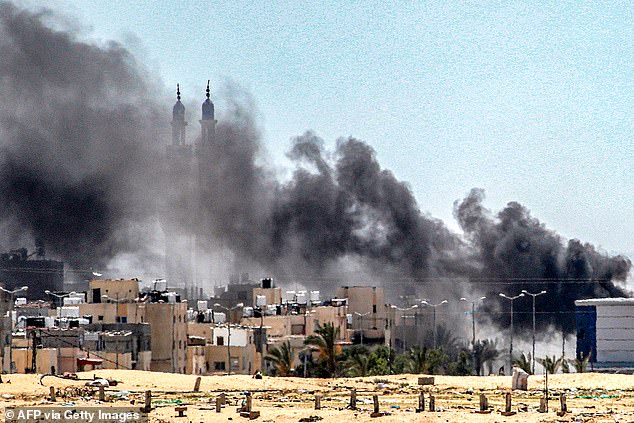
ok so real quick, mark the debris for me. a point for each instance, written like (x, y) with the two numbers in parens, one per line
(310, 419)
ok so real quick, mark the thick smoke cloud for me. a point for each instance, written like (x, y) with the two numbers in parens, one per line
(516, 252)
(76, 129)
(83, 139)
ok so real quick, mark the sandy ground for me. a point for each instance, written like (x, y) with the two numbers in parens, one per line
(590, 397)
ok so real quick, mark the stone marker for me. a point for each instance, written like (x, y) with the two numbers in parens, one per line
(563, 409)
(376, 412)
(223, 398)
(426, 380)
(317, 401)
(218, 404)
(543, 407)
(102, 393)
(197, 384)
(432, 403)
(180, 410)
(353, 399)
(421, 403)
(247, 410)
(484, 404)
(148, 401)
(507, 407)
(52, 395)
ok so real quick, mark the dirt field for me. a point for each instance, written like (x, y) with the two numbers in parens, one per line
(590, 397)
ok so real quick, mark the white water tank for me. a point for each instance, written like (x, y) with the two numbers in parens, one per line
(247, 312)
(219, 317)
(302, 297)
(20, 301)
(72, 301)
(160, 285)
(260, 300)
(314, 297)
(349, 318)
(171, 297)
(271, 310)
(69, 312)
(202, 305)
(289, 297)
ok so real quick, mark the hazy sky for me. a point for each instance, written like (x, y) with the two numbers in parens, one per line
(532, 101)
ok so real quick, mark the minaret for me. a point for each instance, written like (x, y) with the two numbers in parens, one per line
(208, 123)
(177, 212)
(178, 120)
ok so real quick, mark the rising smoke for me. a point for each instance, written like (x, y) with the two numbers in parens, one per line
(80, 169)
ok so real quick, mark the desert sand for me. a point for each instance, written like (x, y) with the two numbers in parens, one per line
(591, 397)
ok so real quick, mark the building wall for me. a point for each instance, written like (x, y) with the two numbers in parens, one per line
(613, 330)
(196, 361)
(273, 295)
(168, 324)
(117, 289)
(362, 300)
(202, 330)
(245, 359)
(108, 312)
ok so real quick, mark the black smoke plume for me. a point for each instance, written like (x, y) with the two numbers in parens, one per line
(83, 143)
(76, 135)
(516, 252)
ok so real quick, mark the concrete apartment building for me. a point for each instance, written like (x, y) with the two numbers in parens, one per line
(366, 306)
(209, 345)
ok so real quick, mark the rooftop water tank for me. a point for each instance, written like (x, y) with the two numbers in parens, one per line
(201, 305)
(260, 300)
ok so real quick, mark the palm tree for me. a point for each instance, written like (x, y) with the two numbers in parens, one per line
(446, 340)
(581, 363)
(486, 352)
(358, 365)
(418, 360)
(282, 359)
(324, 340)
(550, 364)
(523, 362)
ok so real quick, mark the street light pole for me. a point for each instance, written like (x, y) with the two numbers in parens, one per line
(11, 304)
(534, 296)
(117, 321)
(434, 306)
(229, 310)
(512, 299)
(361, 316)
(473, 327)
(403, 310)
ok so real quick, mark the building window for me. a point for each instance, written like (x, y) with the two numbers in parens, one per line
(374, 308)
(220, 340)
(180, 345)
(100, 318)
(219, 365)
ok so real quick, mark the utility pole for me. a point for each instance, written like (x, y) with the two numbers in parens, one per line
(361, 316)
(512, 299)
(229, 310)
(473, 328)
(534, 296)
(11, 304)
(434, 306)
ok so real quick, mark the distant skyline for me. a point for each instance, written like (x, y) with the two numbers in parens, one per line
(532, 102)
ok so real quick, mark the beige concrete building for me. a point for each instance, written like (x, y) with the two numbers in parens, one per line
(366, 305)
(272, 296)
(114, 289)
(169, 336)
